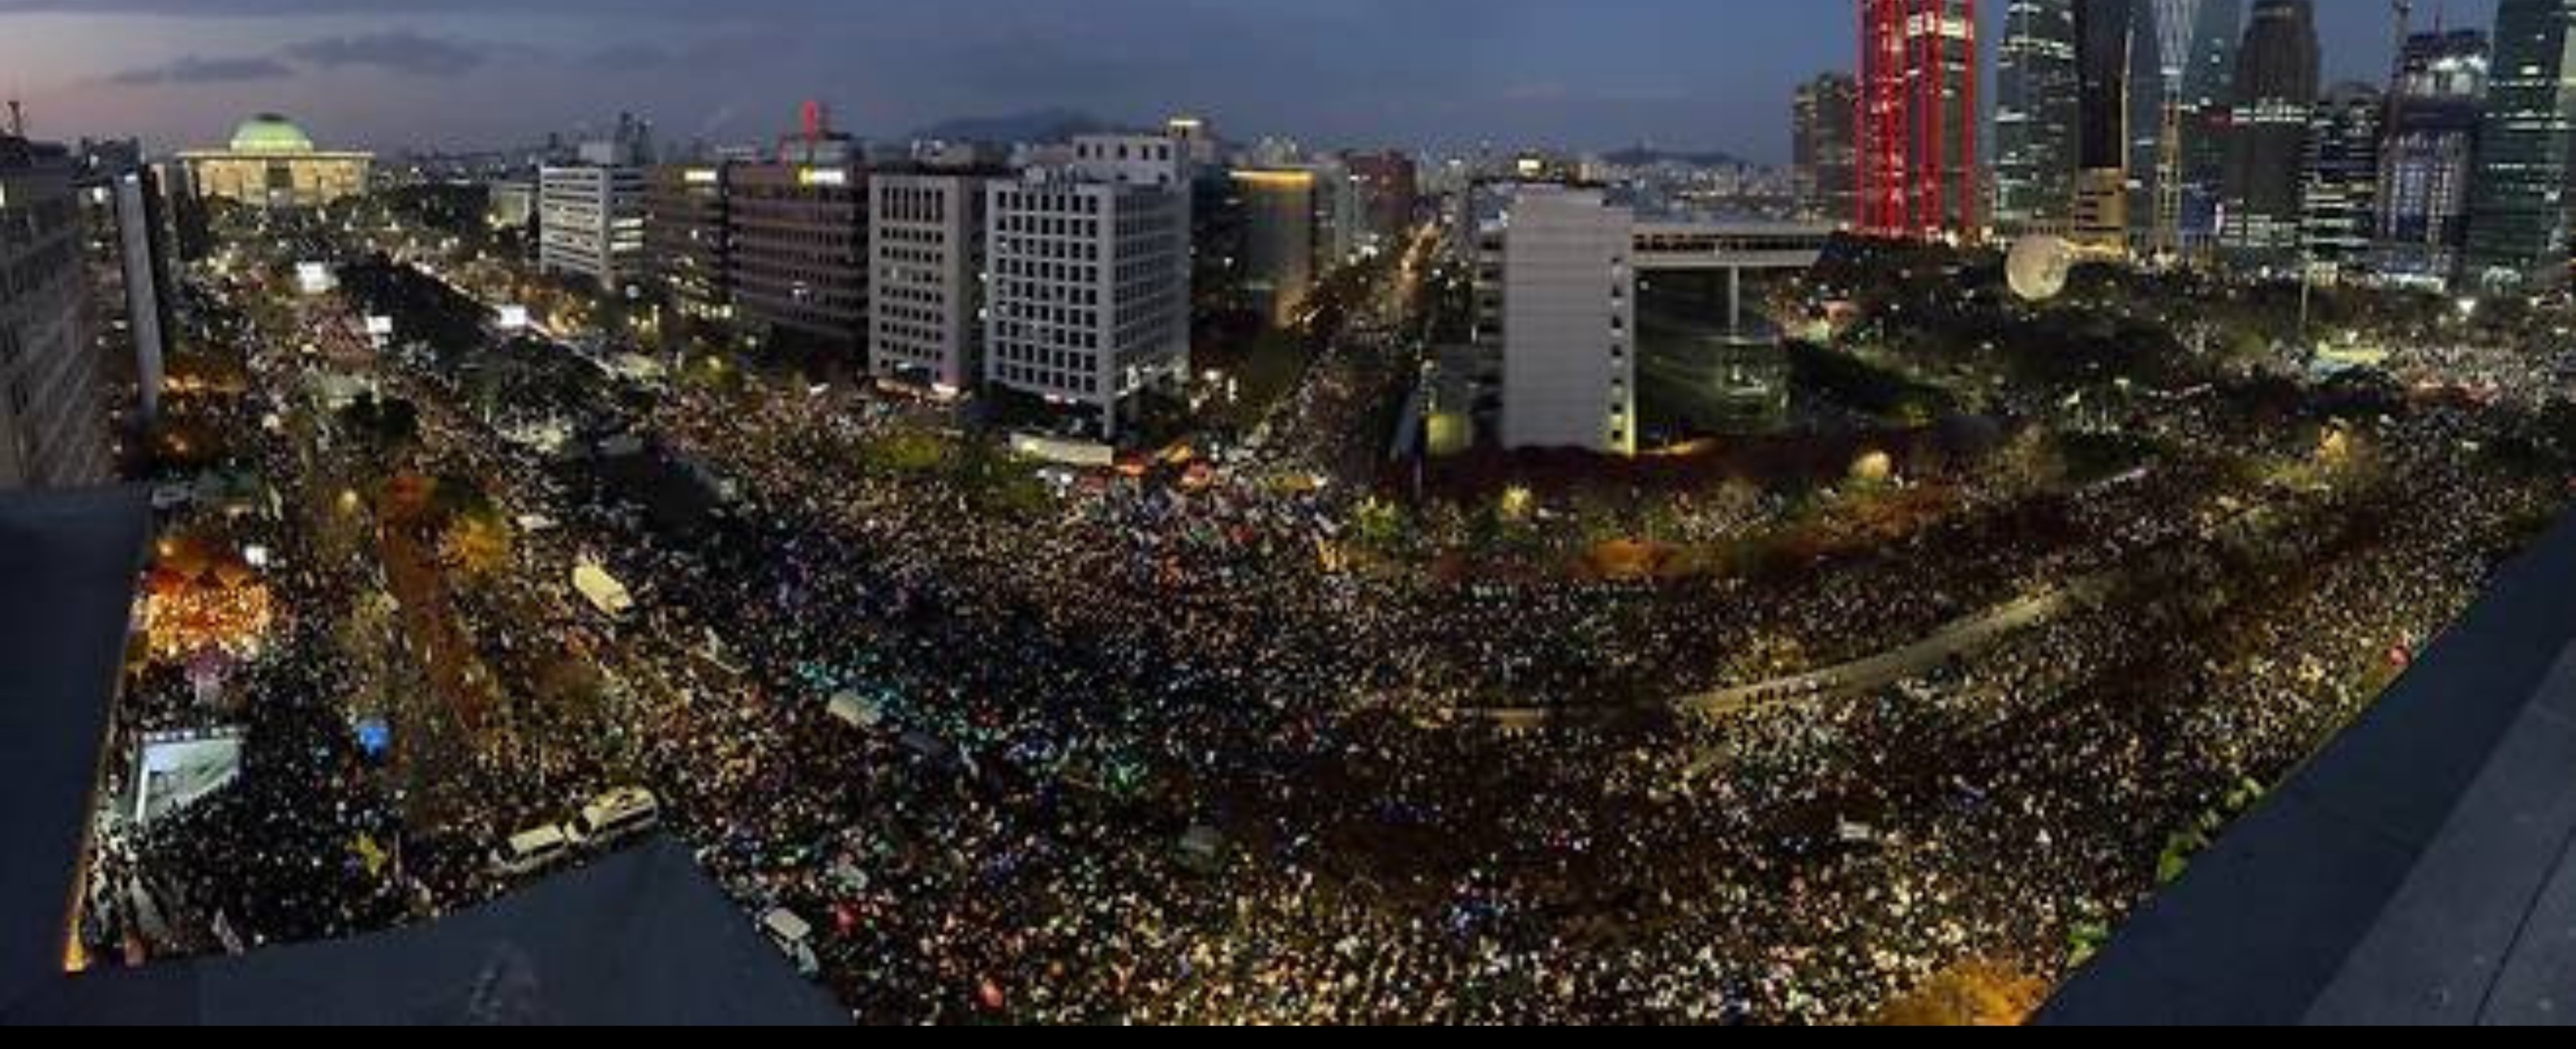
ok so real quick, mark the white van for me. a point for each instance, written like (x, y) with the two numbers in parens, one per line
(531, 851)
(794, 936)
(616, 816)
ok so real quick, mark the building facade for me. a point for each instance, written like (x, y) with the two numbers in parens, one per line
(2277, 77)
(2519, 199)
(1390, 189)
(800, 250)
(271, 163)
(926, 248)
(1557, 285)
(1919, 173)
(2105, 37)
(1088, 292)
(2341, 209)
(2038, 107)
(1280, 210)
(590, 221)
(133, 279)
(1824, 148)
(510, 204)
(2429, 157)
(688, 239)
(1157, 161)
(53, 429)
(2203, 115)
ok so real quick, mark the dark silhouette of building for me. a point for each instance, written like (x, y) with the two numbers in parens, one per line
(2519, 200)
(1823, 148)
(688, 242)
(2341, 216)
(2276, 97)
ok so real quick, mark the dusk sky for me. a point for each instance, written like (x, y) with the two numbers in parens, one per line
(390, 73)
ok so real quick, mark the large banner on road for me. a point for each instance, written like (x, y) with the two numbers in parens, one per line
(177, 770)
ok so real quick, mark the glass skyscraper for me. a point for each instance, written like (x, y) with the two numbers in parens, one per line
(2036, 112)
(2276, 97)
(2208, 79)
(2341, 201)
(2426, 163)
(2518, 204)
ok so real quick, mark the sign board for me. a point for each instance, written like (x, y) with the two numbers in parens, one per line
(176, 770)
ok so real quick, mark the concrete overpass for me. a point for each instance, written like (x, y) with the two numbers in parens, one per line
(1685, 245)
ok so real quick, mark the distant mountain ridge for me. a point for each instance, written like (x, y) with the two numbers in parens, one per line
(1036, 126)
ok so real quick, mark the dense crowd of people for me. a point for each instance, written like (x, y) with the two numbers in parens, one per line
(1153, 752)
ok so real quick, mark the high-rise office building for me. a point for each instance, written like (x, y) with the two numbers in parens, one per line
(2519, 198)
(1556, 289)
(2104, 40)
(590, 217)
(2428, 158)
(1341, 220)
(1919, 174)
(2164, 34)
(688, 238)
(1280, 209)
(2202, 114)
(2038, 107)
(2277, 76)
(53, 429)
(799, 243)
(926, 296)
(1390, 190)
(1088, 286)
(1823, 148)
(2340, 213)
(132, 277)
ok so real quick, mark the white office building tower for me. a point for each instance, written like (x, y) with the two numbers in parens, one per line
(1132, 160)
(591, 223)
(927, 259)
(1088, 286)
(1559, 287)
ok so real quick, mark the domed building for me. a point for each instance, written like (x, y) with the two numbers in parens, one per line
(271, 163)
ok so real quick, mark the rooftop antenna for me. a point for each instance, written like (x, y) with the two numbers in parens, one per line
(17, 119)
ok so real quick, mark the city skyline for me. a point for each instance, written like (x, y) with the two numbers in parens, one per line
(1338, 73)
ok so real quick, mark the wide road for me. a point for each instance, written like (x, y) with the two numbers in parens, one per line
(1965, 637)
(1861, 676)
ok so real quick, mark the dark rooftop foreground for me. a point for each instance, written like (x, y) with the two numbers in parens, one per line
(2418, 872)
(641, 938)
(68, 561)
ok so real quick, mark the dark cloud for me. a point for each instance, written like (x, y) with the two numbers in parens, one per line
(192, 69)
(1582, 73)
(401, 51)
(695, 9)
(710, 53)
